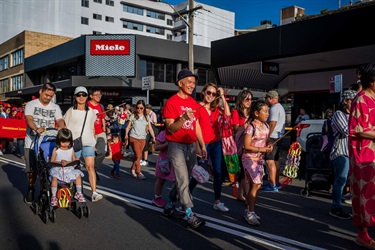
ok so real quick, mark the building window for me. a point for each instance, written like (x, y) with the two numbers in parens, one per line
(155, 30)
(84, 20)
(169, 37)
(97, 16)
(96, 32)
(109, 19)
(4, 63)
(97, 1)
(162, 72)
(17, 57)
(17, 82)
(110, 2)
(132, 10)
(156, 15)
(85, 3)
(132, 26)
(170, 22)
(4, 85)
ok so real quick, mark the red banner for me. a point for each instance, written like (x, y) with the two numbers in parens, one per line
(12, 128)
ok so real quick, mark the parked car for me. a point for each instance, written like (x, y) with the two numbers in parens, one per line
(315, 126)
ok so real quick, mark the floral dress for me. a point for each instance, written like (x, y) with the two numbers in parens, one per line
(361, 157)
(253, 162)
(163, 158)
(65, 174)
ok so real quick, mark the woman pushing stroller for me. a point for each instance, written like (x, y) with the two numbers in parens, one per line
(64, 154)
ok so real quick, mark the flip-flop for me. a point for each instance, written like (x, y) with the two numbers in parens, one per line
(365, 244)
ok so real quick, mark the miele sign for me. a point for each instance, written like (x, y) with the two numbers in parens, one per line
(109, 47)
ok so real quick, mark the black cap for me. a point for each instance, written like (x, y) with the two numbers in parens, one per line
(185, 73)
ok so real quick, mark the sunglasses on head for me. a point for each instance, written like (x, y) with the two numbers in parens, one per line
(210, 93)
(81, 94)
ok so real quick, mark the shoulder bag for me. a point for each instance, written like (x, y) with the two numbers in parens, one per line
(77, 143)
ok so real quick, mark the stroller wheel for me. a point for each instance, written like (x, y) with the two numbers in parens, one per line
(305, 192)
(45, 217)
(52, 215)
(86, 211)
(79, 212)
(36, 208)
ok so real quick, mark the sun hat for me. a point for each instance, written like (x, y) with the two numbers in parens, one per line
(80, 89)
(349, 94)
(185, 73)
(273, 94)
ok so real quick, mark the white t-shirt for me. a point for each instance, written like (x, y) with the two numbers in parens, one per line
(277, 114)
(43, 116)
(74, 121)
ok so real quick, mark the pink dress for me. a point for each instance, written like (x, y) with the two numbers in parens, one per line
(253, 162)
(361, 157)
(163, 155)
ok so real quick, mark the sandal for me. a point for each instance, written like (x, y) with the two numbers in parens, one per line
(368, 245)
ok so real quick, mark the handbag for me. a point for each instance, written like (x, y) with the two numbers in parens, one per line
(200, 174)
(77, 143)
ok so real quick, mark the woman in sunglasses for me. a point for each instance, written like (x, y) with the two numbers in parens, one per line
(208, 116)
(137, 130)
(80, 119)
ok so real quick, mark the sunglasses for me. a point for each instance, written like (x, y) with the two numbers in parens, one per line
(140, 108)
(213, 94)
(81, 94)
(247, 99)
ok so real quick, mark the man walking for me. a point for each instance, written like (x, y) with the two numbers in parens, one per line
(99, 127)
(276, 122)
(183, 131)
(40, 114)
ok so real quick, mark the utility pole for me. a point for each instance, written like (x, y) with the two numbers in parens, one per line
(191, 37)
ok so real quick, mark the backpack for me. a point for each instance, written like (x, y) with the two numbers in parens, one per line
(327, 139)
(240, 138)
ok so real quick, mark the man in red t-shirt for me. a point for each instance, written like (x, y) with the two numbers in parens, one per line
(183, 131)
(99, 127)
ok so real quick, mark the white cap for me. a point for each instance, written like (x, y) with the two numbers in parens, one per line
(80, 89)
(117, 107)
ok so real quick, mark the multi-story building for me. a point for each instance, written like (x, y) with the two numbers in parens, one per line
(140, 17)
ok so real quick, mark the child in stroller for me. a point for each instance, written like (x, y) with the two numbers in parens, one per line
(62, 155)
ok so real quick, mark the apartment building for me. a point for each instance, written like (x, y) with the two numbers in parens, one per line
(139, 17)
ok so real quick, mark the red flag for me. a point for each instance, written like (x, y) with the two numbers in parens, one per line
(12, 128)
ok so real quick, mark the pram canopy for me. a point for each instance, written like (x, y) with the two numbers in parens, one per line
(45, 143)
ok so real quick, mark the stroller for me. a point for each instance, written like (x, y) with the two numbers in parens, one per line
(44, 145)
(319, 172)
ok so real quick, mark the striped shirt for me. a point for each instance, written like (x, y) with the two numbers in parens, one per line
(339, 124)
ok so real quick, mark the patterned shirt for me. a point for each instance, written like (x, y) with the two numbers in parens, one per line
(340, 131)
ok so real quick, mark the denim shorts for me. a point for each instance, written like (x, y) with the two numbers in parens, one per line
(85, 152)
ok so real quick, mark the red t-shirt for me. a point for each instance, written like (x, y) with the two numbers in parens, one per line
(116, 151)
(236, 118)
(173, 109)
(209, 125)
(98, 125)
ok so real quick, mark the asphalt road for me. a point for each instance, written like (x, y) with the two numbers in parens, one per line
(126, 219)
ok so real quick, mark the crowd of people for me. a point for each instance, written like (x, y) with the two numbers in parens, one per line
(191, 134)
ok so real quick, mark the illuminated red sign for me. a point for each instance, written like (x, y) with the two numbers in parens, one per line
(109, 47)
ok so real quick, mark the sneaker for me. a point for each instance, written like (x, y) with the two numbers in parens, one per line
(278, 185)
(1, 153)
(195, 222)
(29, 198)
(144, 163)
(173, 212)
(54, 201)
(220, 206)
(140, 176)
(269, 188)
(133, 173)
(96, 197)
(117, 176)
(251, 218)
(348, 201)
(158, 201)
(79, 197)
(340, 213)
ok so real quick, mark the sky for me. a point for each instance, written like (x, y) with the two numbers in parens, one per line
(249, 13)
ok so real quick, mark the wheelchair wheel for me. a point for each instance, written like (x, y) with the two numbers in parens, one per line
(86, 211)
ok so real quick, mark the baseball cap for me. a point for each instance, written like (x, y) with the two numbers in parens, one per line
(80, 89)
(117, 107)
(185, 73)
(14, 109)
(349, 94)
(273, 94)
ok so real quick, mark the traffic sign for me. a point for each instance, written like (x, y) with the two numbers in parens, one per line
(148, 83)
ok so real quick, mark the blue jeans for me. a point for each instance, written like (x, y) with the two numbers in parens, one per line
(215, 154)
(116, 167)
(182, 157)
(341, 170)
